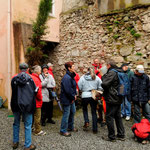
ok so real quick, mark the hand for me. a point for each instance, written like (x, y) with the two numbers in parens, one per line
(46, 74)
(75, 98)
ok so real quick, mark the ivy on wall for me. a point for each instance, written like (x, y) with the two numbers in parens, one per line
(35, 54)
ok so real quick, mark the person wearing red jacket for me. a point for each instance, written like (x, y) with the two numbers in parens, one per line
(101, 107)
(37, 115)
(97, 66)
(50, 69)
(142, 131)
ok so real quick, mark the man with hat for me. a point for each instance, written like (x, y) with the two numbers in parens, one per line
(126, 105)
(23, 104)
(140, 93)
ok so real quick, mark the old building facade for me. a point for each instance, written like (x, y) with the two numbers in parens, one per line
(16, 19)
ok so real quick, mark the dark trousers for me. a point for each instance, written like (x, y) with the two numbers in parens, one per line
(47, 111)
(93, 104)
(137, 112)
(113, 113)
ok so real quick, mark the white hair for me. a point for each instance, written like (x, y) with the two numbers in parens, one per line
(36, 69)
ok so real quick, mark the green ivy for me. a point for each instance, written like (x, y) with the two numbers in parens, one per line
(139, 54)
(34, 54)
(116, 36)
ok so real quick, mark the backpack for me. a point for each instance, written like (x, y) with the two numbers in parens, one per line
(25, 89)
(124, 83)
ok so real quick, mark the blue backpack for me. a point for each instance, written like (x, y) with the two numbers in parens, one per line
(124, 83)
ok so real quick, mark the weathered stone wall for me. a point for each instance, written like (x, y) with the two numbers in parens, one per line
(106, 6)
(124, 37)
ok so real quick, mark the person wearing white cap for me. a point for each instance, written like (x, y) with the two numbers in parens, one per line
(140, 93)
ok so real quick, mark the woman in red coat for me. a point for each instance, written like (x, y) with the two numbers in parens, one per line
(37, 115)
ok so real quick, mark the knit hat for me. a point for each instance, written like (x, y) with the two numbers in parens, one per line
(44, 66)
(23, 66)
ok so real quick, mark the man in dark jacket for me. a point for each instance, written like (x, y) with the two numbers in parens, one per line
(110, 84)
(126, 105)
(67, 98)
(140, 94)
(23, 104)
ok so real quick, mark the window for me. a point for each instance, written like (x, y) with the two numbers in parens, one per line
(52, 12)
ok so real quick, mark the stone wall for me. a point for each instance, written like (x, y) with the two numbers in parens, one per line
(124, 37)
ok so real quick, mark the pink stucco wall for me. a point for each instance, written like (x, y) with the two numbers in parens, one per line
(26, 11)
(3, 48)
(20, 11)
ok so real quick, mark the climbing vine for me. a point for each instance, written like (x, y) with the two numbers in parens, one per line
(35, 54)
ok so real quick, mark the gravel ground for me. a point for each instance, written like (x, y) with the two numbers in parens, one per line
(78, 141)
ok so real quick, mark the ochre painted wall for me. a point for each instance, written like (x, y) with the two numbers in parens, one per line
(26, 11)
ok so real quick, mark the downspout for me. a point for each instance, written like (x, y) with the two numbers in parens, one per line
(9, 52)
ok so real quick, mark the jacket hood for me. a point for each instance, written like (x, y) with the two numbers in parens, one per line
(22, 78)
(145, 121)
(50, 69)
(88, 77)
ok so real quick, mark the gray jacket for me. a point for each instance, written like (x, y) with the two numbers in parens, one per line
(86, 84)
(47, 82)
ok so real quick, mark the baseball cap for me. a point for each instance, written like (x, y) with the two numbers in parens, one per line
(23, 66)
(140, 68)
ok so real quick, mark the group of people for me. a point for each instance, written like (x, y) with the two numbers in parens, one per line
(105, 77)
(32, 98)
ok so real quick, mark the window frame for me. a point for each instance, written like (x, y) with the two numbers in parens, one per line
(52, 13)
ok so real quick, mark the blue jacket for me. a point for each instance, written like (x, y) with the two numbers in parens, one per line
(68, 88)
(140, 88)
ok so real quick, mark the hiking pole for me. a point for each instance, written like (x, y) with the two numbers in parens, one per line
(58, 101)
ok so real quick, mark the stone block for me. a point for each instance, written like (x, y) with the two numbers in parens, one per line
(126, 50)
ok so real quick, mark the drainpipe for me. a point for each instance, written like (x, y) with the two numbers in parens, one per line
(9, 53)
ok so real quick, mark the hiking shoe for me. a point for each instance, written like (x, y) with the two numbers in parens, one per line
(108, 139)
(145, 142)
(51, 121)
(73, 130)
(120, 138)
(40, 133)
(15, 145)
(32, 147)
(85, 127)
(95, 131)
(67, 134)
(127, 118)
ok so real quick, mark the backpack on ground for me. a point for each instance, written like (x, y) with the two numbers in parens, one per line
(124, 83)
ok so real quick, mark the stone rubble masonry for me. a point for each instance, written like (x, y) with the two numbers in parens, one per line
(84, 36)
